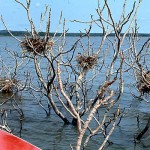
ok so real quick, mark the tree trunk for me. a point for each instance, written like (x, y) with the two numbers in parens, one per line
(66, 121)
(74, 122)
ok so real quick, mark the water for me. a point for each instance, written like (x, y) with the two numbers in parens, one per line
(49, 132)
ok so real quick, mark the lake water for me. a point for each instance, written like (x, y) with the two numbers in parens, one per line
(49, 132)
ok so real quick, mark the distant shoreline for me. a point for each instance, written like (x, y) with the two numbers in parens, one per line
(22, 33)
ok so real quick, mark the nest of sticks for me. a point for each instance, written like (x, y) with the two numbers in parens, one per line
(7, 85)
(144, 83)
(86, 62)
(36, 45)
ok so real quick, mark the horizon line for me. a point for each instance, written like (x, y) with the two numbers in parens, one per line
(41, 33)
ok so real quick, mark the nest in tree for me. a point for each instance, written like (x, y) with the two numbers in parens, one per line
(144, 83)
(36, 45)
(86, 62)
(7, 85)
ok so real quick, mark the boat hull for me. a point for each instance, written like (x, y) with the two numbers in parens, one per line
(11, 142)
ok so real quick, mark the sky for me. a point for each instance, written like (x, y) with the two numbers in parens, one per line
(16, 19)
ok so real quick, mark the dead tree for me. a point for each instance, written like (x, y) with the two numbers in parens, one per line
(108, 26)
(137, 63)
(67, 75)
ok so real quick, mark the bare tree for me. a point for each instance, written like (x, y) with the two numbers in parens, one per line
(67, 77)
(138, 64)
(10, 85)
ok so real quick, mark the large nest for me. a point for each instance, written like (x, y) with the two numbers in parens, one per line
(86, 62)
(7, 85)
(36, 45)
(144, 83)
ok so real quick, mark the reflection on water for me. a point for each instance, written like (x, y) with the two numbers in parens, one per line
(49, 133)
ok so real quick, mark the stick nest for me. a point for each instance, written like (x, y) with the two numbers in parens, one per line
(36, 45)
(86, 62)
(144, 83)
(7, 85)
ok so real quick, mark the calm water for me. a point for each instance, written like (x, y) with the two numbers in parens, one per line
(49, 133)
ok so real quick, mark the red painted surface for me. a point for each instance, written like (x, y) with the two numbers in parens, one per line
(11, 142)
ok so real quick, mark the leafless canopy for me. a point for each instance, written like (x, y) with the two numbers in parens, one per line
(68, 76)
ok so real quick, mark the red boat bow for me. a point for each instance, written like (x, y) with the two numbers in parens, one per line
(11, 142)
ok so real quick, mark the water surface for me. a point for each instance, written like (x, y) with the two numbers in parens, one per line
(49, 132)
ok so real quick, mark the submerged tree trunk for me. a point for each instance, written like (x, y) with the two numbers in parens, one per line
(58, 113)
(140, 135)
(74, 121)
